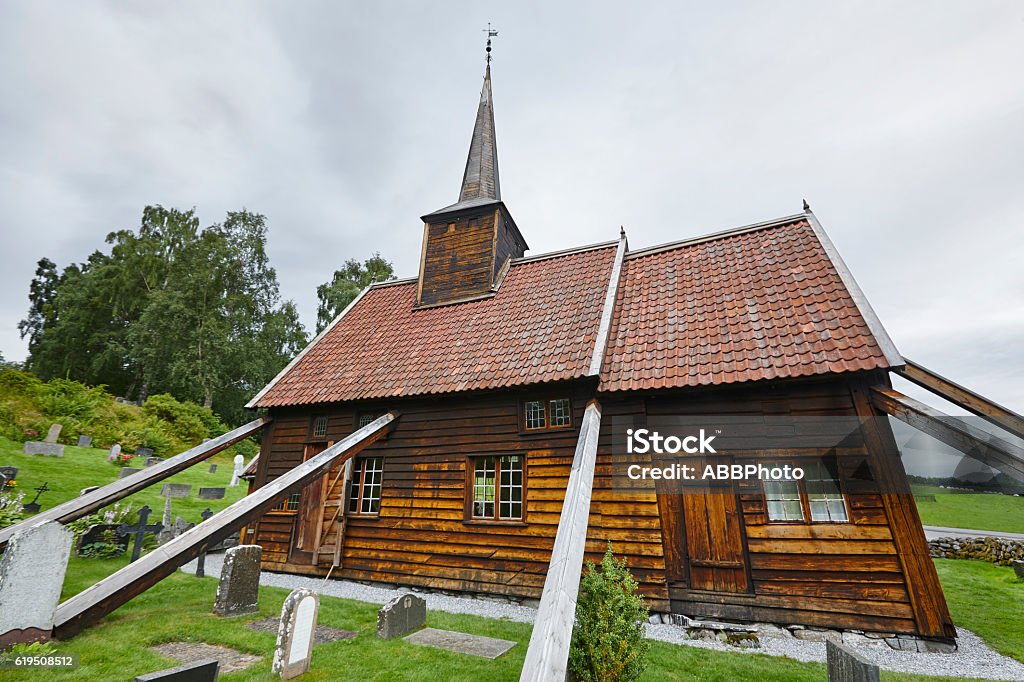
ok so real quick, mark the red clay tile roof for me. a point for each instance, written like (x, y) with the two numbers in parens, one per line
(761, 304)
(540, 326)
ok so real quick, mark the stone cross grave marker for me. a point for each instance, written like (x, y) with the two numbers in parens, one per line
(168, 492)
(400, 616)
(139, 530)
(54, 433)
(197, 671)
(212, 493)
(33, 507)
(238, 470)
(31, 576)
(201, 561)
(213, 468)
(295, 633)
(846, 665)
(239, 589)
(84, 441)
(33, 447)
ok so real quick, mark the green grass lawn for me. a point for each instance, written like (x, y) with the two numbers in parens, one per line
(984, 511)
(83, 467)
(178, 609)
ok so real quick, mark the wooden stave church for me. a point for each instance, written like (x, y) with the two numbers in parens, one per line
(768, 320)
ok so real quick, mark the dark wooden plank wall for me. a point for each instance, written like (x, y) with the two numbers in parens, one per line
(459, 258)
(836, 575)
(421, 536)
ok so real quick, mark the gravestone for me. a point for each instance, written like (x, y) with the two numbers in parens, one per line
(143, 451)
(128, 471)
(201, 561)
(115, 452)
(86, 491)
(400, 616)
(176, 490)
(84, 441)
(239, 589)
(139, 531)
(213, 468)
(54, 433)
(295, 633)
(846, 665)
(31, 576)
(200, 671)
(238, 470)
(150, 461)
(212, 493)
(97, 533)
(34, 447)
(461, 643)
(9, 473)
(1018, 568)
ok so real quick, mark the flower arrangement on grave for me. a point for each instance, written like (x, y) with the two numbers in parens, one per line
(10, 508)
(12, 483)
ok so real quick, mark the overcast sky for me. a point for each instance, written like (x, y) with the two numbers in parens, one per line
(902, 124)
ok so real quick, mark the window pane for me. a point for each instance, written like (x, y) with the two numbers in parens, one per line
(365, 419)
(483, 487)
(511, 487)
(535, 414)
(560, 411)
(783, 499)
(320, 427)
(823, 491)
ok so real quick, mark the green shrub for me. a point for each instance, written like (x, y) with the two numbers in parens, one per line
(107, 548)
(10, 508)
(608, 643)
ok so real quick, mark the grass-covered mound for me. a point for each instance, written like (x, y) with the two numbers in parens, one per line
(28, 406)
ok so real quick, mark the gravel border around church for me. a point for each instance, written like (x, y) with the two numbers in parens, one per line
(973, 658)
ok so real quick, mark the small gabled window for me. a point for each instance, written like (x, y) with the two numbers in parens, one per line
(365, 486)
(497, 488)
(319, 429)
(548, 413)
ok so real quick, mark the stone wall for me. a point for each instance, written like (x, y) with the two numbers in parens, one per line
(994, 550)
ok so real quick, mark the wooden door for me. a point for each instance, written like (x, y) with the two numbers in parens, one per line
(311, 510)
(714, 542)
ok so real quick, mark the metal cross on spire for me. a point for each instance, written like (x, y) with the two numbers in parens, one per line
(490, 34)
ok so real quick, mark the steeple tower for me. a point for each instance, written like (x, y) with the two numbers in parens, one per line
(468, 246)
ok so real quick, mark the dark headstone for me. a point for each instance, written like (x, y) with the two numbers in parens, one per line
(150, 461)
(34, 447)
(143, 451)
(211, 493)
(200, 671)
(213, 468)
(1018, 568)
(139, 530)
(176, 490)
(846, 665)
(128, 471)
(84, 441)
(295, 633)
(96, 533)
(9, 473)
(400, 616)
(239, 589)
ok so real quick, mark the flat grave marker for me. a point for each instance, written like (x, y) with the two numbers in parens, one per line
(295, 633)
(34, 447)
(200, 671)
(400, 616)
(192, 652)
(84, 441)
(32, 572)
(128, 471)
(461, 643)
(239, 589)
(212, 493)
(179, 490)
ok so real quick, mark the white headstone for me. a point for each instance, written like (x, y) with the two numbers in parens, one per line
(296, 633)
(239, 468)
(115, 451)
(31, 577)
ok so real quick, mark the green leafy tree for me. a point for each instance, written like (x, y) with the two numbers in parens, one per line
(608, 640)
(353, 277)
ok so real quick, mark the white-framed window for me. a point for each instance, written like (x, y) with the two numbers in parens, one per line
(498, 484)
(783, 500)
(549, 413)
(824, 497)
(365, 487)
(290, 504)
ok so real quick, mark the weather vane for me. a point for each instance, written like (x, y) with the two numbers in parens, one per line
(490, 34)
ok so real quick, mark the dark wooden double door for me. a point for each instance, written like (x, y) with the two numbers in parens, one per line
(715, 553)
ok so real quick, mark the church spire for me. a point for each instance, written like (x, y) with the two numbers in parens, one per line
(480, 181)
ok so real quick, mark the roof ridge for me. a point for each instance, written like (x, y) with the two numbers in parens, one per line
(565, 252)
(713, 236)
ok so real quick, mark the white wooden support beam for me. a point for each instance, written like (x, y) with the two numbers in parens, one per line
(547, 659)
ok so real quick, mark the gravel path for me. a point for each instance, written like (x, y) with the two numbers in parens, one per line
(973, 657)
